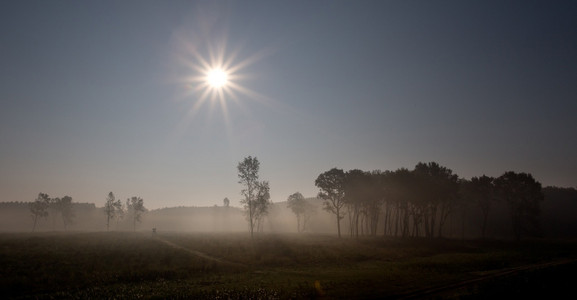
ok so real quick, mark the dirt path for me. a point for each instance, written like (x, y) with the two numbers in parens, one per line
(483, 277)
(199, 254)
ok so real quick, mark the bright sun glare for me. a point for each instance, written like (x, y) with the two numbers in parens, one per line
(217, 78)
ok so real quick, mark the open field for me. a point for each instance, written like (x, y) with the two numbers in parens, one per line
(222, 266)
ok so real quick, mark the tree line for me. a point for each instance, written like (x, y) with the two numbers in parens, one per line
(115, 210)
(406, 203)
(44, 206)
(419, 202)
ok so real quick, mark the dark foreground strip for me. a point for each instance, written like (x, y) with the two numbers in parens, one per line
(200, 254)
(427, 292)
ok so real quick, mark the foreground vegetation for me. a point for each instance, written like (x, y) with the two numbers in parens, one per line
(223, 266)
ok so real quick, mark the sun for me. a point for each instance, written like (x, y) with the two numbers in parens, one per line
(217, 78)
(214, 77)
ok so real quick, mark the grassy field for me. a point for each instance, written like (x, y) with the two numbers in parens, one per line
(126, 265)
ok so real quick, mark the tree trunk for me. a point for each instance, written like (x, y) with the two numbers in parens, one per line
(35, 221)
(339, 222)
(298, 223)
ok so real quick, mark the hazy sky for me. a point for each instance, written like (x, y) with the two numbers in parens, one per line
(98, 96)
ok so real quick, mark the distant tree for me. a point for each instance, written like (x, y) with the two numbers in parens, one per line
(310, 211)
(355, 195)
(523, 195)
(226, 202)
(481, 191)
(135, 208)
(296, 202)
(256, 194)
(39, 208)
(377, 182)
(402, 193)
(54, 209)
(110, 208)
(559, 210)
(119, 212)
(262, 203)
(332, 192)
(302, 209)
(439, 189)
(66, 211)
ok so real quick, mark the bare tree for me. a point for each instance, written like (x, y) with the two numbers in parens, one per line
(331, 184)
(39, 208)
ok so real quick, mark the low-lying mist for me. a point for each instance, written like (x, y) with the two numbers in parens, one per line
(88, 217)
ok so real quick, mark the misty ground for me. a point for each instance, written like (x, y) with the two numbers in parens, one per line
(280, 266)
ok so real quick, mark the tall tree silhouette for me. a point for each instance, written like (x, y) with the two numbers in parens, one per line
(296, 202)
(262, 203)
(402, 193)
(363, 198)
(111, 206)
(66, 211)
(256, 194)
(135, 208)
(481, 191)
(355, 191)
(439, 192)
(39, 208)
(523, 195)
(332, 190)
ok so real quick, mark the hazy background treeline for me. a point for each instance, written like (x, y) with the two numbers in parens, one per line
(16, 216)
(557, 219)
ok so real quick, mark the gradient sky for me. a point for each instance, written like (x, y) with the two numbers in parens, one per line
(96, 96)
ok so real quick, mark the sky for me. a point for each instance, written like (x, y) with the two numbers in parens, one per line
(100, 96)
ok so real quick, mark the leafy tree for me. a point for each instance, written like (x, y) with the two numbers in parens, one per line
(39, 208)
(119, 212)
(262, 203)
(296, 202)
(54, 209)
(376, 185)
(355, 189)
(439, 193)
(110, 208)
(226, 202)
(523, 195)
(402, 193)
(135, 208)
(66, 211)
(310, 210)
(481, 190)
(332, 191)
(302, 209)
(256, 194)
